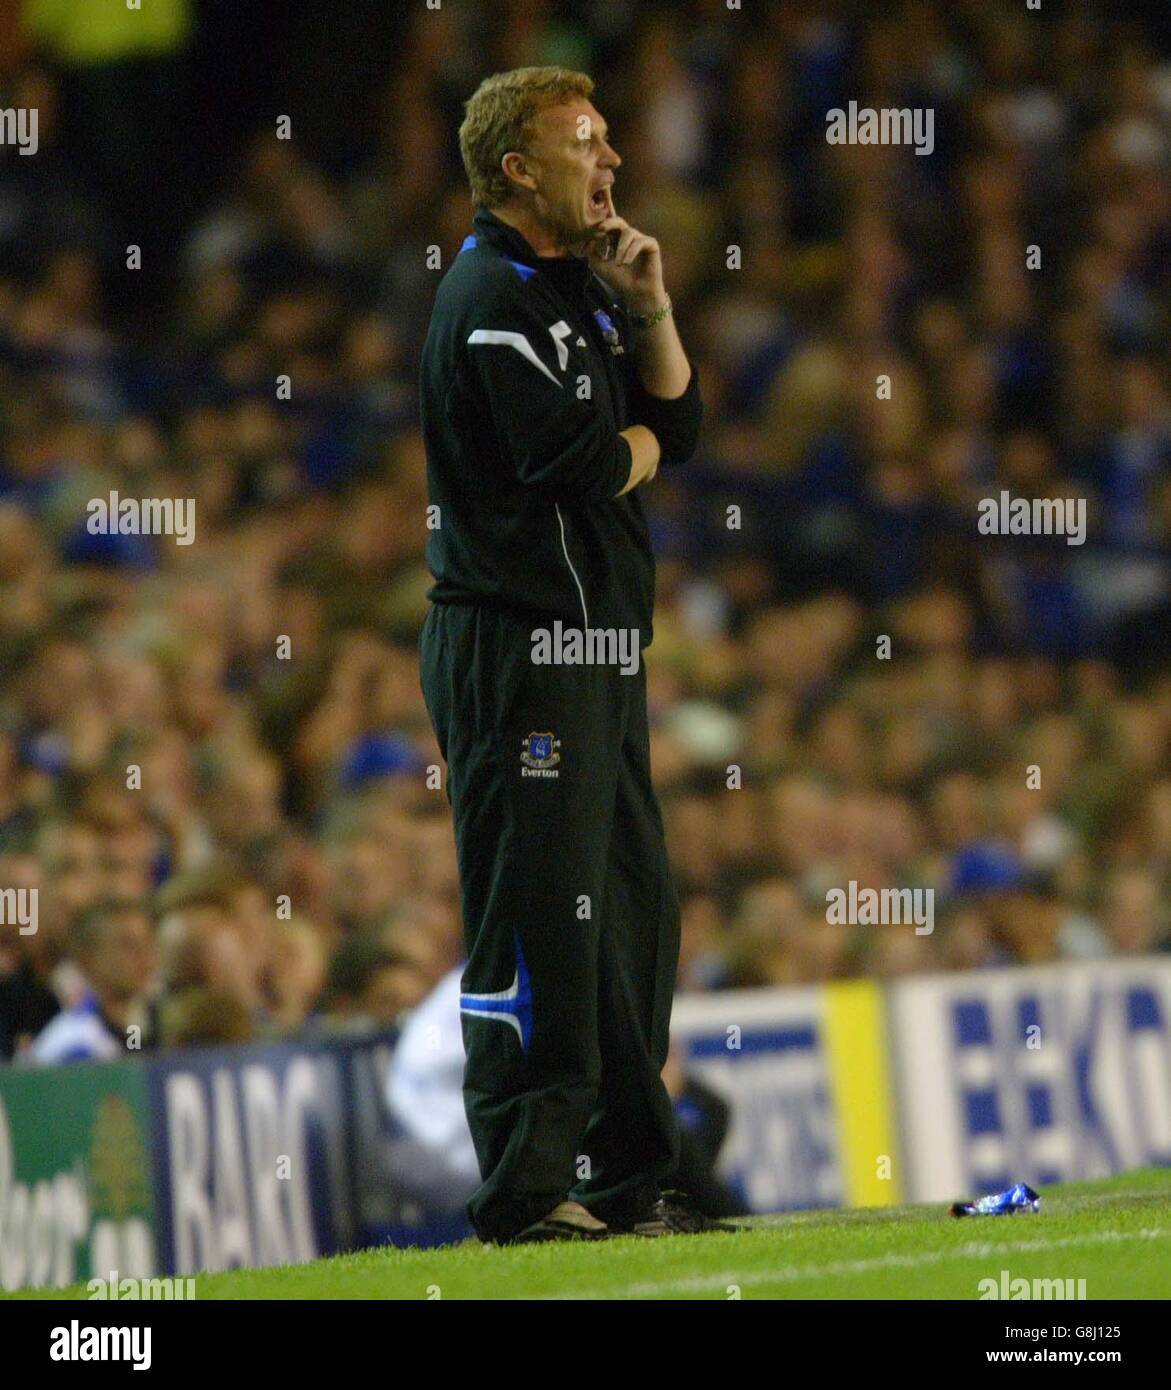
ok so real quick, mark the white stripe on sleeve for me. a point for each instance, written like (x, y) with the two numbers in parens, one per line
(493, 336)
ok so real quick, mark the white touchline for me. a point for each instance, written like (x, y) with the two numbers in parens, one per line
(971, 1251)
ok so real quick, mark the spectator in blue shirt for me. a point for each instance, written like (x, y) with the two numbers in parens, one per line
(113, 944)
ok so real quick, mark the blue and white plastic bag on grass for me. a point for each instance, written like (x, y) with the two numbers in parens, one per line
(1016, 1199)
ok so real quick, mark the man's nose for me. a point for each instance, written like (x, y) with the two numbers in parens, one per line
(610, 157)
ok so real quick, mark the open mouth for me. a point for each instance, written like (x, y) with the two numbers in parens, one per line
(600, 202)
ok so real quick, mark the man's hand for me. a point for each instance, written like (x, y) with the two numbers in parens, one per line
(644, 456)
(629, 262)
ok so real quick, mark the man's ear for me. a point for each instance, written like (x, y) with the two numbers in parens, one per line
(516, 170)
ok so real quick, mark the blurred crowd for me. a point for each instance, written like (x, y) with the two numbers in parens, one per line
(213, 758)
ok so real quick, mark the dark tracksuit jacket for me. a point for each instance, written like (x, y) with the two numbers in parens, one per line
(570, 919)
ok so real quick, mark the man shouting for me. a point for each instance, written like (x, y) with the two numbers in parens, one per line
(553, 386)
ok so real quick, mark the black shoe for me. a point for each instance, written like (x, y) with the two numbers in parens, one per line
(675, 1214)
(567, 1221)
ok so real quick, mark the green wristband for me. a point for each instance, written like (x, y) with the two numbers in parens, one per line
(649, 320)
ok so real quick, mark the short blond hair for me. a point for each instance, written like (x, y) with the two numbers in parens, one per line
(498, 117)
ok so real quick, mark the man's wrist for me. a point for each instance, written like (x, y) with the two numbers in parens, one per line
(656, 306)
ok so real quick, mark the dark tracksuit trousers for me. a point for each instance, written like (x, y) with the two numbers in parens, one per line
(571, 922)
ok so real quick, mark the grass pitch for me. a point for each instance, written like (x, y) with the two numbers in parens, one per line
(1116, 1235)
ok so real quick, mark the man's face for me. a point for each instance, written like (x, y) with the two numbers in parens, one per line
(573, 165)
(389, 991)
(123, 963)
(73, 865)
